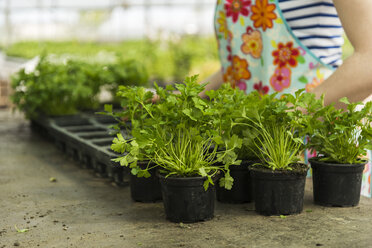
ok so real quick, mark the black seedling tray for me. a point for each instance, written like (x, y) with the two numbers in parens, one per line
(87, 139)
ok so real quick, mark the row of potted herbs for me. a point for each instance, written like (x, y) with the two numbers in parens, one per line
(247, 147)
(57, 89)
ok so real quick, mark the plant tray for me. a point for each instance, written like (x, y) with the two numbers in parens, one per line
(87, 139)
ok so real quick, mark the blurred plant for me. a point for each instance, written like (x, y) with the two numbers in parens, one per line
(61, 89)
(55, 89)
(165, 61)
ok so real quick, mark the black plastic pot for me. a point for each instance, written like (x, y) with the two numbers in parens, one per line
(145, 189)
(336, 185)
(185, 199)
(241, 192)
(278, 192)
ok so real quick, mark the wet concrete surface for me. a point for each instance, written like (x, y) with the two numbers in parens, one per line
(83, 210)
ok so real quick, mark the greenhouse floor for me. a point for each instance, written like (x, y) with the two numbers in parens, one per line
(80, 209)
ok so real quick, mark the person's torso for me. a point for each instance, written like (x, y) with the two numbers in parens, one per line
(259, 50)
(316, 24)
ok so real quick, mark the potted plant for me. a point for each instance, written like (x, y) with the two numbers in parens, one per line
(144, 184)
(340, 137)
(52, 90)
(227, 104)
(180, 139)
(279, 177)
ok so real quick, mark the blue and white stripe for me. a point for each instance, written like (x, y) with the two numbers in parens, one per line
(316, 24)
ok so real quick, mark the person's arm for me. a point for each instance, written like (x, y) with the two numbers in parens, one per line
(215, 81)
(353, 78)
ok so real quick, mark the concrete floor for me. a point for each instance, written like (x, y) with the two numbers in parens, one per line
(82, 210)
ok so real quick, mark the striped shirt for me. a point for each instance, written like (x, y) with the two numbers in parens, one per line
(316, 24)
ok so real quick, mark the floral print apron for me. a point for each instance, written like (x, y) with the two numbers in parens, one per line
(258, 51)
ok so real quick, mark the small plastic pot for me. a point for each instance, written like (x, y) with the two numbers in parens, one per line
(241, 191)
(336, 185)
(145, 189)
(185, 199)
(278, 192)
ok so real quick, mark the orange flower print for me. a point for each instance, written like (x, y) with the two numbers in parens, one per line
(286, 54)
(252, 43)
(263, 14)
(223, 25)
(237, 71)
(316, 81)
(240, 68)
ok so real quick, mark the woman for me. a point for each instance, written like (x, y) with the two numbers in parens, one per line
(284, 45)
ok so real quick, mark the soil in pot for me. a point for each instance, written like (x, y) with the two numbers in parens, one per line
(241, 192)
(279, 192)
(336, 185)
(185, 199)
(145, 189)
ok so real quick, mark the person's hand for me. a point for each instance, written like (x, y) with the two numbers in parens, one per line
(155, 98)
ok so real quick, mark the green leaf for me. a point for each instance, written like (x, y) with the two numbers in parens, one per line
(227, 181)
(344, 100)
(202, 172)
(206, 184)
(188, 113)
(143, 173)
(21, 230)
(301, 59)
(123, 161)
(108, 108)
(135, 170)
(303, 79)
(218, 140)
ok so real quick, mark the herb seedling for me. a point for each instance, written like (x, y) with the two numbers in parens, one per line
(341, 135)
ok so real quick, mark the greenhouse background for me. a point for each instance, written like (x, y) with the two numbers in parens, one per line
(177, 34)
(58, 177)
(100, 20)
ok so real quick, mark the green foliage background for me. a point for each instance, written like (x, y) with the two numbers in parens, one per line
(165, 60)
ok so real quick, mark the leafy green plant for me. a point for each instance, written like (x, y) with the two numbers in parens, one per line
(176, 135)
(226, 106)
(340, 135)
(279, 124)
(54, 89)
(62, 89)
(279, 149)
